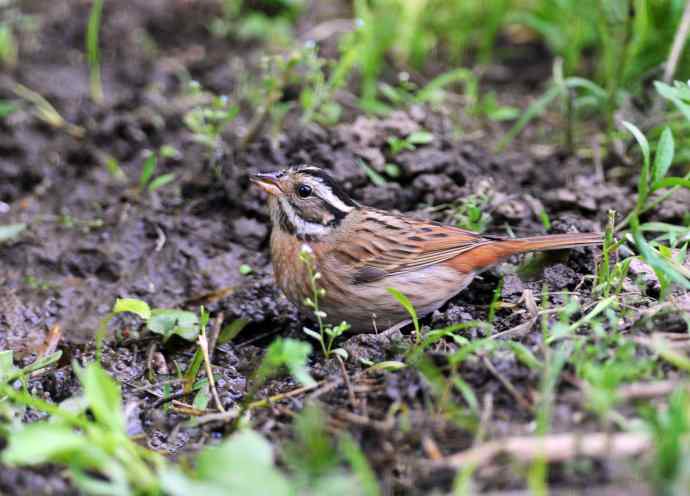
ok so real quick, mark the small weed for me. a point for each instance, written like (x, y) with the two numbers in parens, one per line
(410, 142)
(147, 181)
(653, 178)
(470, 213)
(670, 428)
(208, 120)
(327, 333)
(8, 46)
(89, 438)
(409, 307)
(93, 51)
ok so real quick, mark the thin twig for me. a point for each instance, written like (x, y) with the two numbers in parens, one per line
(277, 397)
(203, 344)
(348, 384)
(553, 448)
(679, 41)
(508, 385)
(213, 334)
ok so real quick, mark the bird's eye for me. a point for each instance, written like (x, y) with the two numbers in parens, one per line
(304, 190)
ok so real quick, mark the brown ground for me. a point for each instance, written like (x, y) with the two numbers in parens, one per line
(93, 239)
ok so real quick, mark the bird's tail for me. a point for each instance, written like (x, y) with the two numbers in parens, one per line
(493, 252)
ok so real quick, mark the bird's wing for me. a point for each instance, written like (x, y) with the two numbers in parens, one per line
(382, 244)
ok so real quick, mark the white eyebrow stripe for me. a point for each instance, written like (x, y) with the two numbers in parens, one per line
(329, 197)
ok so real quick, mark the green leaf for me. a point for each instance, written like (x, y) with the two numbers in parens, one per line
(43, 442)
(231, 330)
(114, 169)
(643, 183)
(536, 108)
(652, 258)
(169, 322)
(376, 178)
(42, 362)
(289, 353)
(103, 395)
(243, 464)
(525, 356)
(147, 170)
(132, 305)
(420, 138)
(360, 465)
(161, 181)
(11, 231)
(664, 155)
(6, 108)
(245, 269)
(670, 182)
(392, 170)
(673, 95)
(7, 368)
(169, 151)
(407, 305)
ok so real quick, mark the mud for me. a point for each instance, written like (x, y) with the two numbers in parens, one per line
(93, 238)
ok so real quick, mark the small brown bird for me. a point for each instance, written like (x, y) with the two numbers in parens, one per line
(360, 252)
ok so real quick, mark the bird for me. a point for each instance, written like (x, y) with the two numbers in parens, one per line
(360, 252)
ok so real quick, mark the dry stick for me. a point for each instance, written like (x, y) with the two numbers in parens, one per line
(678, 44)
(348, 384)
(508, 385)
(674, 55)
(554, 448)
(213, 334)
(203, 344)
(277, 397)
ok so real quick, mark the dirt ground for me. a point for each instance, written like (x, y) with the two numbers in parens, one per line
(93, 239)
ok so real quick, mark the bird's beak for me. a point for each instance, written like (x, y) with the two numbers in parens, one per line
(268, 181)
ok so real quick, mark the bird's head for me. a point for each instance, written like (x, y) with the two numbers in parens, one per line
(305, 201)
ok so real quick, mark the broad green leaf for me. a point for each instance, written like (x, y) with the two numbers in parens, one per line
(103, 395)
(133, 305)
(243, 464)
(11, 231)
(168, 322)
(664, 155)
(176, 483)
(41, 443)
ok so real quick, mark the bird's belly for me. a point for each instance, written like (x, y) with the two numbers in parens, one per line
(370, 306)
